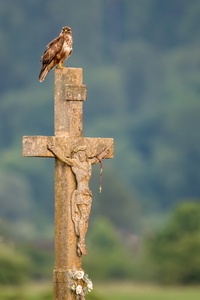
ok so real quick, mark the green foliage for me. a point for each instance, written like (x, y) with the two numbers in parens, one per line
(41, 256)
(25, 262)
(14, 266)
(15, 196)
(115, 194)
(175, 249)
(108, 257)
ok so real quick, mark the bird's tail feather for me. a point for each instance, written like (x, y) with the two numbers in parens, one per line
(43, 73)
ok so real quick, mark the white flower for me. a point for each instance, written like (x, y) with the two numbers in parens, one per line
(78, 275)
(79, 289)
(86, 279)
(90, 286)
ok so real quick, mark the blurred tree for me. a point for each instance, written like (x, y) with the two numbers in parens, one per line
(41, 255)
(15, 197)
(108, 257)
(14, 266)
(117, 202)
(174, 250)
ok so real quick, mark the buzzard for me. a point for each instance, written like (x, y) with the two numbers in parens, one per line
(57, 51)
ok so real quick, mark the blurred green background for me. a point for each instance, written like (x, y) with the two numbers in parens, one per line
(141, 65)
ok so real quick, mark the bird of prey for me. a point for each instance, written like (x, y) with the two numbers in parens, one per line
(57, 51)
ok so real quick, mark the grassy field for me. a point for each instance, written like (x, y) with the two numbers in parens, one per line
(110, 291)
(131, 291)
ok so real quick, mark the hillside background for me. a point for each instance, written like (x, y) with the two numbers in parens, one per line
(141, 65)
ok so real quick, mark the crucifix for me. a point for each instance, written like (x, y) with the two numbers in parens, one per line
(74, 156)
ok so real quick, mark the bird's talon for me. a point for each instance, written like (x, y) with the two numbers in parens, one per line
(60, 66)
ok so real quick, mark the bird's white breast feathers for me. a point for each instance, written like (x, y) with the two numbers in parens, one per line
(66, 47)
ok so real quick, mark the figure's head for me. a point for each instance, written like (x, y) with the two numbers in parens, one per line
(66, 30)
(80, 153)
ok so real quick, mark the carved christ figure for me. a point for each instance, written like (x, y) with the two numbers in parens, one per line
(81, 199)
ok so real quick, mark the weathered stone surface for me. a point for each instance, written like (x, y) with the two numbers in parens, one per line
(74, 93)
(69, 94)
(36, 146)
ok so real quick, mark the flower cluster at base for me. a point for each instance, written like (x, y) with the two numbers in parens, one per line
(80, 284)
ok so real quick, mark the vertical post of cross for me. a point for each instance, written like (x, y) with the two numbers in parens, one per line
(68, 101)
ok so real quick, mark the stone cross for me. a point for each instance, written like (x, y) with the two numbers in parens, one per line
(74, 156)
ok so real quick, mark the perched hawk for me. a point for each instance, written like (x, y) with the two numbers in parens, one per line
(56, 52)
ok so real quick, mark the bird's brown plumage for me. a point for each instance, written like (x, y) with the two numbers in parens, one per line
(57, 51)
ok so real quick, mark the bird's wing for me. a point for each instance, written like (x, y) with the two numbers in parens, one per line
(52, 49)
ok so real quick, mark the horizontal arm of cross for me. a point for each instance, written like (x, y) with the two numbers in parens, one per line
(37, 146)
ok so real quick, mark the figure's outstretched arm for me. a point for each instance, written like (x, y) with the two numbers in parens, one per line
(59, 154)
(99, 156)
